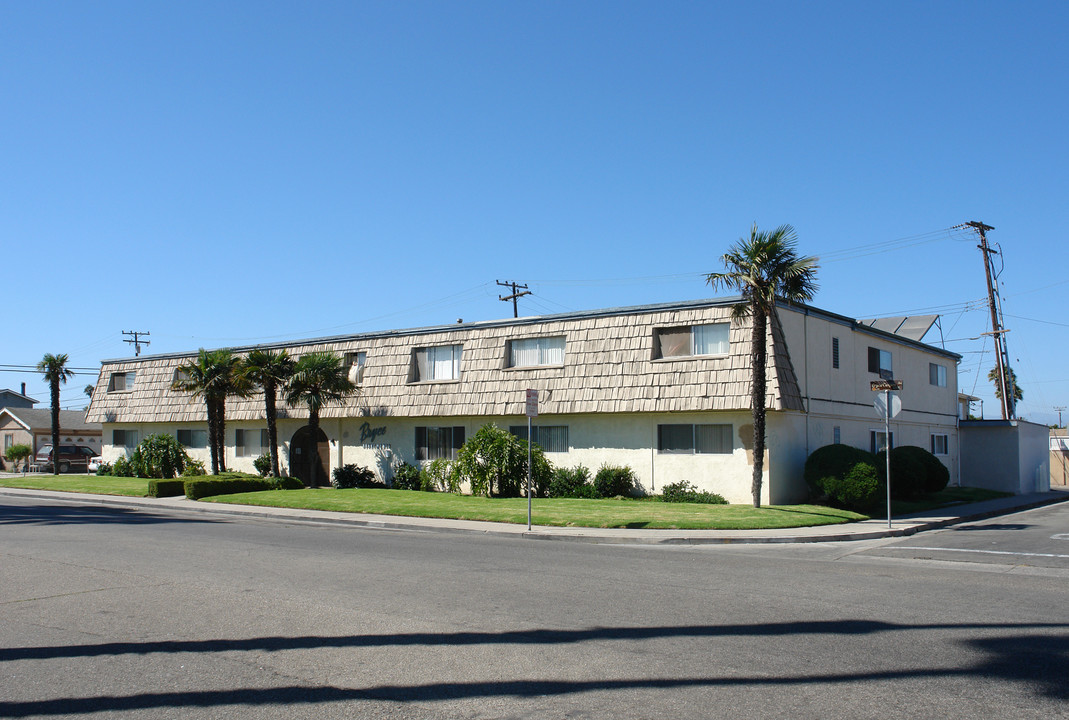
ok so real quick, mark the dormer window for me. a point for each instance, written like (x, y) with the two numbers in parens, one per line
(536, 352)
(435, 364)
(354, 366)
(713, 339)
(121, 381)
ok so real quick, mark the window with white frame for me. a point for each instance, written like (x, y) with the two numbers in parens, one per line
(551, 438)
(879, 361)
(691, 439)
(250, 443)
(121, 381)
(937, 375)
(712, 339)
(878, 441)
(438, 442)
(438, 363)
(355, 362)
(535, 352)
(940, 444)
(124, 438)
(193, 439)
(9, 440)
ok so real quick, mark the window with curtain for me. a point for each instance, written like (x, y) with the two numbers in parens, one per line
(436, 363)
(690, 439)
(551, 438)
(533, 352)
(712, 339)
(193, 438)
(438, 442)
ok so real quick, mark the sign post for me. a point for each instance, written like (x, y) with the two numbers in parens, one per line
(532, 412)
(887, 406)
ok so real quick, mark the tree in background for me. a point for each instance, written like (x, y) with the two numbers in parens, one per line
(55, 371)
(1011, 380)
(318, 378)
(270, 370)
(762, 268)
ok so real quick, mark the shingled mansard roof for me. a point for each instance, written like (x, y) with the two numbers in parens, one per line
(608, 368)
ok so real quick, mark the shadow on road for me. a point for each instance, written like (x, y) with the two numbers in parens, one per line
(59, 515)
(1035, 655)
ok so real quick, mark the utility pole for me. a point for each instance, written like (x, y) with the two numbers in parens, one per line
(514, 296)
(1002, 358)
(137, 342)
(1059, 409)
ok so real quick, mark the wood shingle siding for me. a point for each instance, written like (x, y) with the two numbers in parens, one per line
(608, 368)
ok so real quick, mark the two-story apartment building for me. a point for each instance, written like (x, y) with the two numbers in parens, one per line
(663, 389)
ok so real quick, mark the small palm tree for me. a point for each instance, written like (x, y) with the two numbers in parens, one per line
(271, 370)
(1011, 381)
(762, 268)
(54, 368)
(318, 378)
(214, 375)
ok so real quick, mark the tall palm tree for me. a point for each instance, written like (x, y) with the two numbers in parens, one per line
(54, 368)
(271, 370)
(318, 378)
(214, 375)
(762, 268)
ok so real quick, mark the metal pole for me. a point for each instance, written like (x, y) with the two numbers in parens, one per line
(528, 472)
(887, 448)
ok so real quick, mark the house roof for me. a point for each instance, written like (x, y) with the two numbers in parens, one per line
(609, 368)
(70, 421)
(9, 393)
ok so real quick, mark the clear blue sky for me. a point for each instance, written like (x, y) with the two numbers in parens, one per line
(239, 172)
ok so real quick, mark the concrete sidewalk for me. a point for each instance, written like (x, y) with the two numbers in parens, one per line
(866, 530)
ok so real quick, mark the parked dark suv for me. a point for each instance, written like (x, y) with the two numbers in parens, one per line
(70, 456)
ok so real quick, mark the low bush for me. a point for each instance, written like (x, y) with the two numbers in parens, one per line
(406, 477)
(122, 467)
(225, 484)
(858, 489)
(614, 481)
(263, 465)
(286, 483)
(571, 483)
(833, 461)
(104, 469)
(194, 468)
(158, 488)
(354, 476)
(936, 475)
(685, 492)
(159, 456)
(439, 475)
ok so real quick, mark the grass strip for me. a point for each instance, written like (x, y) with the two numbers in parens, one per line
(91, 484)
(561, 512)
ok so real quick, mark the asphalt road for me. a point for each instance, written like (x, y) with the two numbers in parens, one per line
(125, 613)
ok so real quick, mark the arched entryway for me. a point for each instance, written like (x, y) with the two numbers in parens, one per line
(306, 457)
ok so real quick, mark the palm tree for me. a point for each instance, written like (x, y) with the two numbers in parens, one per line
(1011, 381)
(271, 370)
(214, 375)
(764, 267)
(318, 378)
(54, 368)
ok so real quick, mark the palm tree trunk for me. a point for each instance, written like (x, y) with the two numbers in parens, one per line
(54, 388)
(313, 456)
(220, 413)
(213, 436)
(272, 425)
(758, 360)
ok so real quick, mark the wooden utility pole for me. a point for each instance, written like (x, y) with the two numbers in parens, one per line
(514, 296)
(137, 342)
(1007, 390)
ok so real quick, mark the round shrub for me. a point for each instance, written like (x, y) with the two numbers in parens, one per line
(613, 480)
(833, 461)
(858, 489)
(936, 475)
(908, 473)
(353, 476)
(159, 456)
(406, 477)
(263, 465)
(571, 483)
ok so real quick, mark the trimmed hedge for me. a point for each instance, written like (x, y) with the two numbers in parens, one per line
(166, 488)
(846, 475)
(230, 483)
(914, 472)
(571, 483)
(615, 481)
(860, 488)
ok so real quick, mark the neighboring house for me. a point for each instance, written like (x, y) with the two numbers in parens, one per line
(34, 428)
(12, 399)
(663, 389)
(1059, 456)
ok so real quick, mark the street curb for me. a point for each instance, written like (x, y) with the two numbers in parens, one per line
(553, 533)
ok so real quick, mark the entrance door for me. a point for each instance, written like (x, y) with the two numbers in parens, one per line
(309, 460)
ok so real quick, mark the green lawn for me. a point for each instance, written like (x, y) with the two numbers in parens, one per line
(92, 484)
(560, 512)
(650, 513)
